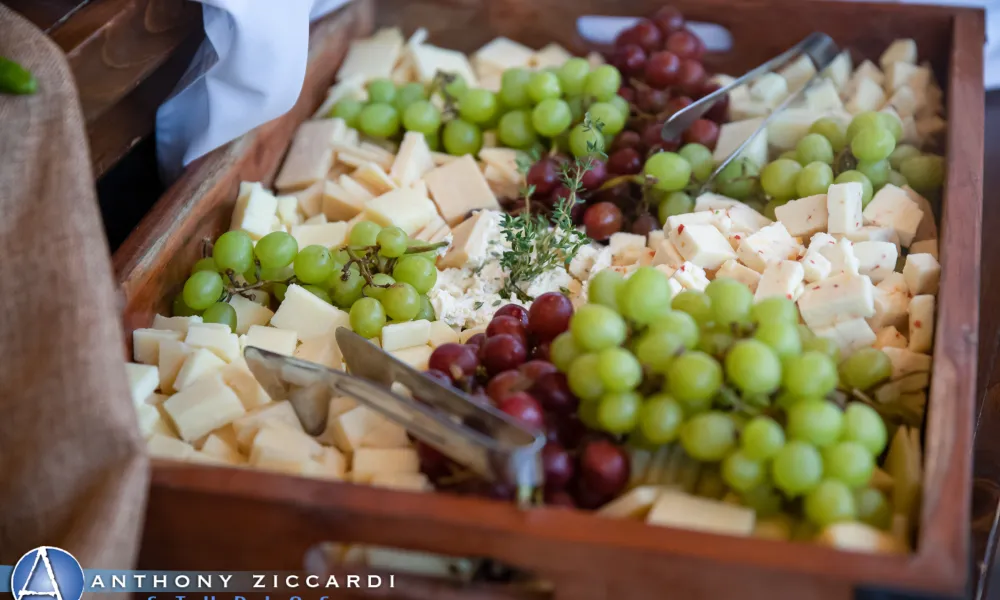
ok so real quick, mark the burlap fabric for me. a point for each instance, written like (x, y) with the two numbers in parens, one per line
(73, 473)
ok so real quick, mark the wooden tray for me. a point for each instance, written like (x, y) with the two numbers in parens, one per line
(217, 518)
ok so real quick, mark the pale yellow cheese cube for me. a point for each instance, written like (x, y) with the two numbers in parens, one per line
(441, 333)
(307, 315)
(338, 406)
(310, 200)
(330, 465)
(368, 462)
(339, 204)
(246, 427)
(348, 429)
(412, 161)
(280, 341)
(222, 342)
(221, 449)
(319, 219)
(411, 482)
(458, 188)
(142, 381)
(468, 333)
(164, 446)
(198, 363)
(673, 509)
(146, 344)
(276, 442)
(921, 323)
(151, 421)
(246, 386)
(249, 313)
(470, 241)
(173, 354)
(374, 179)
(405, 208)
(371, 58)
(180, 324)
(328, 235)
(417, 356)
(397, 336)
(322, 350)
(203, 406)
(889, 337)
(311, 154)
(288, 210)
(255, 210)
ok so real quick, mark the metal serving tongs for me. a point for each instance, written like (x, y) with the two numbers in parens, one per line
(821, 50)
(482, 438)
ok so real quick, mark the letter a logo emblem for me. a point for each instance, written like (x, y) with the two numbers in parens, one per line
(47, 573)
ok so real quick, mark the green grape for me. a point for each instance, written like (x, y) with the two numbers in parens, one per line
(896, 178)
(753, 367)
(863, 424)
(392, 242)
(769, 208)
(564, 350)
(603, 83)
(408, 94)
(276, 250)
(830, 502)
(694, 303)
(671, 171)
(584, 379)
(478, 106)
(866, 184)
(382, 91)
(573, 76)
(790, 155)
(433, 141)
(514, 88)
(780, 336)
(543, 85)
(515, 129)
(604, 288)
(774, 309)
(893, 123)
(588, 414)
(281, 274)
(346, 292)
(250, 275)
(873, 144)
(202, 289)
(457, 87)
(645, 296)
(417, 271)
(657, 348)
(811, 374)
(761, 438)
(233, 251)
(738, 179)
(679, 324)
(901, 153)
(865, 120)
(876, 172)
(551, 117)
(596, 327)
(278, 291)
(205, 264)
(426, 311)
(814, 147)
(624, 108)
(873, 508)
(850, 463)
(824, 346)
(832, 131)
(763, 499)
(660, 419)
(924, 173)
(676, 203)
(805, 333)
(619, 369)
(731, 301)
(422, 116)
(576, 111)
(347, 109)
(379, 120)
(608, 115)
(313, 264)
(778, 178)
(461, 137)
(716, 341)
(401, 302)
(865, 369)
(618, 412)
(221, 312)
(585, 141)
(367, 317)
(380, 283)
(694, 376)
(708, 436)
(179, 308)
(741, 472)
(797, 468)
(700, 159)
(319, 292)
(815, 421)
(813, 179)
(364, 233)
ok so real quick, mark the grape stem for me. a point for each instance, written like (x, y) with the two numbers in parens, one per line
(440, 82)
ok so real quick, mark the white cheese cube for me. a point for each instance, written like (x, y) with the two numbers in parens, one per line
(906, 362)
(702, 245)
(894, 283)
(925, 247)
(843, 202)
(405, 208)
(769, 245)
(246, 386)
(823, 96)
(328, 235)
(459, 187)
(922, 273)
(798, 72)
(413, 160)
(769, 89)
(219, 448)
(164, 446)
(716, 218)
(280, 341)
(928, 228)
(837, 298)
(891, 309)
(867, 96)
(870, 233)
(412, 482)
(805, 216)
(621, 241)
(205, 405)
(901, 50)
(892, 207)
(416, 356)
(850, 335)
(246, 427)
(142, 381)
(921, 323)
(471, 241)
(441, 333)
(307, 315)
(889, 337)
(675, 509)
(180, 324)
(733, 134)
(713, 201)
(815, 266)
(249, 313)
(397, 336)
(839, 71)
(146, 344)
(782, 279)
(743, 107)
(841, 257)
(789, 126)
(222, 342)
(691, 277)
(368, 462)
(733, 270)
(197, 364)
(875, 259)
(552, 55)
(255, 209)
(322, 350)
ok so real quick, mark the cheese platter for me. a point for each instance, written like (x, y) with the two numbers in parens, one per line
(720, 364)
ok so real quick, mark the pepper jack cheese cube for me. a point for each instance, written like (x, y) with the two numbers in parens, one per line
(412, 161)
(205, 405)
(397, 336)
(843, 202)
(691, 277)
(837, 298)
(666, 254)
(621, 241)
(675, 509)
(870, 233)
(197, 364)
(922, 273)
(328, 235)
(805, 216)
(906, 362)
(769, 245)
(783, 279)
(459, 187)
(889, 337)
(246, 386)
(716, 218)
(875, 259)
(925, 247)
(702, 245)
(368, 462)
(470, 241)
(142, 381)
(927, 230)
(731, 269)
(405, 208)
(307, 315)
(249, 313)
(255, 210)
(222, 342)
(322, 350)
(850, 335)
(841, 257)
(892, 207)
(280, 341)
(146, 344)
(891, 309)
(921, 323)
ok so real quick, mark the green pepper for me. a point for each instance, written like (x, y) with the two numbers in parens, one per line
(15, 79)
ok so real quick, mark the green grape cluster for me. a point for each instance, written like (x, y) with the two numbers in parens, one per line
(381, 275)
(739, 385)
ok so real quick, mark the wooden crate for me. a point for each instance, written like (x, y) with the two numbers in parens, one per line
(215, 518)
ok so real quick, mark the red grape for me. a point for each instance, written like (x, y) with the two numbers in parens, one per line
(720, 110)
(544, 176)
(560, 194)
(685, 44)
(505, 384)
(455, 360)
(513, 310)
(626, 139)
(651, 134)
(534, 369)
(433, 463)
(541, 352)
(559, 499)
(604, 467)
(629, 59)
(476, 342)
(502, 352)
(552, 390)
(651, 100)
(645, 223)
(524, 409)
(691, 76)
(595, 175)
(662, 69)
(439, 377)
(507, 325)
(702, 132)
(626, 161)
(549, 314)
(601, 220)
(588, 498)
(677, 103)
(557, 465)
(669, 20)
(572, 431)
(644, 34)
(627, 93)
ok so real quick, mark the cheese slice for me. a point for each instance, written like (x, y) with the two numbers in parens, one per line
(405, 208)
(412, 161)
(352, 86)
(429, 60)
(673, 509)
(427, 231)
(469, 242)
(310, 199)
(255, 209)
(328, 235)
(459, 188)
(311, 154)
(374, 179)
(339, 204)
(552, 55)
(372, 58)
(503, 53)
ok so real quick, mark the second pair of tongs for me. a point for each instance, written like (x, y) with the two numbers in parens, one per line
(485, 440)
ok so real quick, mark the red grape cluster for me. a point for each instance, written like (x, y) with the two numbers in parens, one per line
(508, 367)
